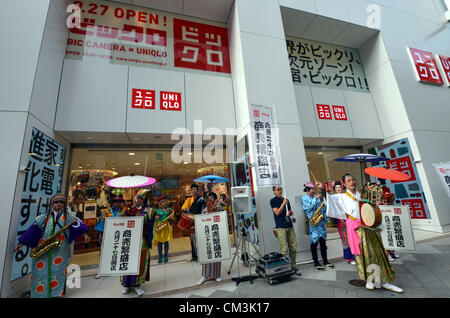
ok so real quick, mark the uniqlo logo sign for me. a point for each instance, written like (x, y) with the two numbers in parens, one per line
(416, 208)
(324, 111)
(404, 165)
(170, 101)
(131, 224)
(339, 113)
(444, 63)
(425, 66)
(200, 46)
(142, 98)
(216, 218)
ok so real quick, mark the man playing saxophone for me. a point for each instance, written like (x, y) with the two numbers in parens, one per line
(315, 209)
(50, 237)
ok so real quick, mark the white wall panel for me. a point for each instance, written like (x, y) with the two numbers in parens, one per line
(93, 97)
(22, 23)
(304, 5)
(333, 9)
(331, 128)
(363, 115)
(210, 99)
(155, 120)
(306, 111)
(49, 69)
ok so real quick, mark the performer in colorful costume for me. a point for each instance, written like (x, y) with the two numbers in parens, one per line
(342, 228)
(49, 270)
(163, 236)
(140, 209)
(211, 270)
(366, 244)
(311, 202)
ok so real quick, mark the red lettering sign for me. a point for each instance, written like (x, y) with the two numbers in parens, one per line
(444, 62)
(324, 111)
(404, 165)
(200, 46)
(216, 218)
(397, 211)
(170, 101)
(339, 113)
(416, 208)
(142, 98)
(425, 66)
(255, 113)
(131, 224)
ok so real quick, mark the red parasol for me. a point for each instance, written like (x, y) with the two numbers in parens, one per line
(387, 174)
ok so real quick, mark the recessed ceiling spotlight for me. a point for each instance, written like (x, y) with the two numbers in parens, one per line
(320, 153)
(131, 153)
(137, 163)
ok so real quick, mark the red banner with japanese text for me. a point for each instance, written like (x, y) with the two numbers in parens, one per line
(117, 33)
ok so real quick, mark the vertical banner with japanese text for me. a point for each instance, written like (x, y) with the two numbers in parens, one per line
(118, 33)
(121, 246)
(396, 229)
(265, 147)
(443, 171)
(409, 192)
(43, 179)
(213, 240)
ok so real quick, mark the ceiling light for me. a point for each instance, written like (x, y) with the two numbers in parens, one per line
(189, 153)
(320, 153)
(131, 153)
(89, 137)
(80, 167)
(137, 163)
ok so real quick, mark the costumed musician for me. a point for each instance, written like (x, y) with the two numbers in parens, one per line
(314, 206)
(50, 237)
(163, 228)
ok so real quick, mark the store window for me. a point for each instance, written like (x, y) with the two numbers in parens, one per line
(89, 194)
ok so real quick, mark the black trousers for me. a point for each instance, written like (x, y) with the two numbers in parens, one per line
(323, 251)
(193, 248)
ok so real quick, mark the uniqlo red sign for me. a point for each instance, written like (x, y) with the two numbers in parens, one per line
(324, 111)
(142, 98)
(200, 46)
(170, 101)
(444, 62)
(339, 113)
(425, 66)
(404, 165)
(416, 208)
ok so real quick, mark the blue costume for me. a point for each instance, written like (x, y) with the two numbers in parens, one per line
(310, 205)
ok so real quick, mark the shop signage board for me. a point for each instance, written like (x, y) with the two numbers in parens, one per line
(324, 112)
(43, 179)
(409, 192)
(396, 229)
(265, 147)
(425, 67)
(143, 98)
(117, 33)
(339, 112)
(443, 171)
(444, 63)
(121, 246)
(90, 210)
(321, 64)
(212, 238)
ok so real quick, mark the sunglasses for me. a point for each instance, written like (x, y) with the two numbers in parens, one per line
(60, 202)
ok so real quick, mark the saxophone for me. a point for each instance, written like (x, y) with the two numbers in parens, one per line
(50, 243)
(159, 226)
(318, 215)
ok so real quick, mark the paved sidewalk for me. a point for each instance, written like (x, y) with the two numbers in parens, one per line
(423, 273)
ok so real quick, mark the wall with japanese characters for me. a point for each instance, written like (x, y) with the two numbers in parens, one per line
(164, 71)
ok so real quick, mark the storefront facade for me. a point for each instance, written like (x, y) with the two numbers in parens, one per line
(339, 77)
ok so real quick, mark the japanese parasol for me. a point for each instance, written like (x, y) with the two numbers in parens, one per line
(131, 181)
(387, 174)
(211, 179)
(362, 157)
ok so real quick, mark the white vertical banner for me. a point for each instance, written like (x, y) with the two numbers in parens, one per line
(443, 171)
(396, 229)
(213, 240)
(121, 246)
(265, 147)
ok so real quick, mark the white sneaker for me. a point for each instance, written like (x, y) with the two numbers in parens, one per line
(201, 281)
(352, 262)
(370, 286)
(391, 259)
(97, 276)
(125, 290)
(396, 255)
(392, 288)
(218, 279)
(139, 291)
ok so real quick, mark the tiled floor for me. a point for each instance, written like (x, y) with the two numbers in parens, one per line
(179, 277)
